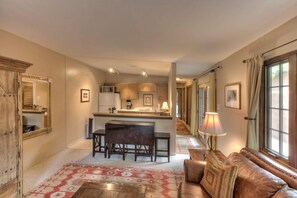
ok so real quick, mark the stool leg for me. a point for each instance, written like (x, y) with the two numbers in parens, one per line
(156, 145)
(94, 144)
(99, 143)
(168, 144)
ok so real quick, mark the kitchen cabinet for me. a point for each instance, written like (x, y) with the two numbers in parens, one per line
(147, 87)
(128, 91)
(162, 93)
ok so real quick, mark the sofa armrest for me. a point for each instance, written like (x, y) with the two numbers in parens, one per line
(194, 170)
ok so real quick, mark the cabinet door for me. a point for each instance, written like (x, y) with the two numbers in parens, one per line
(9, 131)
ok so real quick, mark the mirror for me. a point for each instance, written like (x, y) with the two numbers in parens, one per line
(36, 92)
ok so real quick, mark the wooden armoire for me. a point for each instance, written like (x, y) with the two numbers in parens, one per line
(11, 126)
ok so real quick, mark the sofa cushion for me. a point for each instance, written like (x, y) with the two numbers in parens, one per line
(253, 181)
(191, 189)
(218, 179)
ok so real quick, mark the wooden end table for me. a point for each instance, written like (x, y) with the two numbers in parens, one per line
(108, 190)
(201, 154)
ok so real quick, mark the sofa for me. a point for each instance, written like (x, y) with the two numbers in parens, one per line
(257, 176)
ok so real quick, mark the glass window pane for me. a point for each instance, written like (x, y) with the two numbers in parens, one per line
(274, 97)
(285, 97)
(275, 141)
(285, 145)
(274, 75)
(274, 119)
(285, 68)
(285, 121)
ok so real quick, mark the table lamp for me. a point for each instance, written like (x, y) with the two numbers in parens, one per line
(165, 106)
(212, 127)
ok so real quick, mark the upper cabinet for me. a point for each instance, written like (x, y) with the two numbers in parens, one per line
(147, 87)
(128, 91)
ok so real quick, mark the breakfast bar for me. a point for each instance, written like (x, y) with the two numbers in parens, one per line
(162, 124)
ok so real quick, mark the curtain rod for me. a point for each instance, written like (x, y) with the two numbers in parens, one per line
(244, 61)
(211, 70)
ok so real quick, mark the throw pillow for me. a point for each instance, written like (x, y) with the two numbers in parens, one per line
(218, 179)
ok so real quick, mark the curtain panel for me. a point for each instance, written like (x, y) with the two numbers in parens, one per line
(194, 109)
(254, 74)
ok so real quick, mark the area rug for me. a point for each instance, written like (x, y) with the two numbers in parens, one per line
(184, 142)
(181, 128)
(159, 183)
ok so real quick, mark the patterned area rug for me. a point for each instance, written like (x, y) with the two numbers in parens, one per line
(159, 183)
(181, 128)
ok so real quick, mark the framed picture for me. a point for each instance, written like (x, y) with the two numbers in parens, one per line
(147, 99)
(233, 95)
(84, 95)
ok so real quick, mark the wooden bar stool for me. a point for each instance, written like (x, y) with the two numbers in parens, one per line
(162, 136)
(98, 146)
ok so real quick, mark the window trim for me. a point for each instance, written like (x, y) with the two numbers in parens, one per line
(292, 159)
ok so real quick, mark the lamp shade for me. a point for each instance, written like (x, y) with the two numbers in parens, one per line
(212, 125)
(165, 106)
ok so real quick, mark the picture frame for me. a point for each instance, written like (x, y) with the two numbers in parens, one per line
(147, 99)
(232, 96)
(84, 95)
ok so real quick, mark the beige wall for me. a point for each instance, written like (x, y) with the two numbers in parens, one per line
(80, 76)
(235, 71)
(54, 65)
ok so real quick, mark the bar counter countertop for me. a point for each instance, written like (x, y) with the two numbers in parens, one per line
(133, 115)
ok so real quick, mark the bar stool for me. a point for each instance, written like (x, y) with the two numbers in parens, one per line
(98, 146)
(162, 136)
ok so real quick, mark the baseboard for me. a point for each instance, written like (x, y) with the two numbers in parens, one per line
(75, 142)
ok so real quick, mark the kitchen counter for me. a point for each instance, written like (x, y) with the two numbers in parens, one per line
(148, 115)
(166, 124)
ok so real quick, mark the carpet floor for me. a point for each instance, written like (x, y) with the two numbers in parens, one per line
(158, 183)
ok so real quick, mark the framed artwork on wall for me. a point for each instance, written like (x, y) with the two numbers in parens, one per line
(147, 99)
(84, 95)
(233, 95)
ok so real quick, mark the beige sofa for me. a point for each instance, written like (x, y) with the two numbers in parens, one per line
(258, 176)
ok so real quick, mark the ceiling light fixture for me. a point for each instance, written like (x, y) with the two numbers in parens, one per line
(144, 74)
(113, 71)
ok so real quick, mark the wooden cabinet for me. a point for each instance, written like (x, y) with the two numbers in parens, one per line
(162, 93)
(128, 91)
(11, 126)
(147, 87)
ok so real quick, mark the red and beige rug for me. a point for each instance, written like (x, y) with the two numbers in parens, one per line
(181, 128)
(66, 181)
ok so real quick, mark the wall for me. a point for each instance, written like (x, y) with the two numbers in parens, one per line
(235, 71)
(79, 76)
(172, 103)
(54, 65)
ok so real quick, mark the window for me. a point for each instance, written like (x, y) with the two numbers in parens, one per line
(203, 106)
(277, 108)
(277, 132)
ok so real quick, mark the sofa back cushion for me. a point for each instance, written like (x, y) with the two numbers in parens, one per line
(272, 166)
(253, 181)
(218, 179)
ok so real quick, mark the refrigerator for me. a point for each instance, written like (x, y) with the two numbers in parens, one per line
(108, 100)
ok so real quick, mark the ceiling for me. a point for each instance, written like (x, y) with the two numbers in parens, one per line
(136, 35)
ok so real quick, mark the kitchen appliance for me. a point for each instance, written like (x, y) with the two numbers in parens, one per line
(129, 104)
(109, 102)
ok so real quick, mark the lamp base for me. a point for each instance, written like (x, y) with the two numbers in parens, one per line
(211, 143)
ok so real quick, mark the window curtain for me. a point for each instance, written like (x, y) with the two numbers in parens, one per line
(212, 92)
(194, 116)
(254, 74)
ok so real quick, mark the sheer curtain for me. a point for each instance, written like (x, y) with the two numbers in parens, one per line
(254, 74)
(194, 117)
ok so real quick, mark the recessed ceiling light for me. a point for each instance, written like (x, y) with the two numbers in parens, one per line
(144, 74)
(113, 71)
